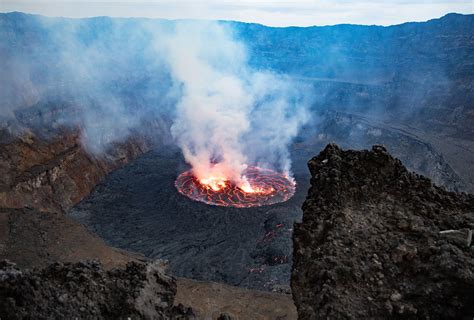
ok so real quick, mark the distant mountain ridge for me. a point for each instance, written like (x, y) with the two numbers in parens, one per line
(450, 35)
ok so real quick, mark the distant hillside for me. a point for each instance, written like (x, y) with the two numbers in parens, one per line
(440, 47)
(416, 73)
(420, 73)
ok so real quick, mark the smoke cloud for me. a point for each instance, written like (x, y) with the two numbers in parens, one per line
(228, 115)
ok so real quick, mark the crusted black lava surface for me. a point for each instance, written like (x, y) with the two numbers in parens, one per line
(380, 242)
(139, 208)
(85, 290)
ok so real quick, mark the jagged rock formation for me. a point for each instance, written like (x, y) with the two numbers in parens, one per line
(379, 242)
(86, 291)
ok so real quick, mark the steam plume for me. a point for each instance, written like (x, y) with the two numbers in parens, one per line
(229, 115)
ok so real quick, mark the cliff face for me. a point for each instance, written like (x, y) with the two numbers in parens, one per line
(44, 171)
(377, 241)
(54, 174)
(86, 291)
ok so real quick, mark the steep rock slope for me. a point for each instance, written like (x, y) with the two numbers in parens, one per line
(54, 173)
(86, 291)
(377, 241)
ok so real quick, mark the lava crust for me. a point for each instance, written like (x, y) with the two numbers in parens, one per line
(269, 187)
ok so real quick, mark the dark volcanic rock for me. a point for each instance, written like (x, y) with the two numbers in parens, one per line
(377, 241)
(86, 291)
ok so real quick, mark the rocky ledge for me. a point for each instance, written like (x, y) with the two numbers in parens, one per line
(380, 242)
(87, 291)
(54, 174)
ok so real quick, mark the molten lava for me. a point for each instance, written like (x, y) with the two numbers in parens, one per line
(262, 187)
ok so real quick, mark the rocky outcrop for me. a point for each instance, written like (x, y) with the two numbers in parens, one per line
(56, 173)
(86, 291)
(379, 242)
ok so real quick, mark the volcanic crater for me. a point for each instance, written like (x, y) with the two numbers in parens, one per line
(139, 208)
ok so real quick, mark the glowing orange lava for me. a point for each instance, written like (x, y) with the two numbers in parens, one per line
(262, 187)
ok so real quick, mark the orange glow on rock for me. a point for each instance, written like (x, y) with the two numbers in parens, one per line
(260, 187)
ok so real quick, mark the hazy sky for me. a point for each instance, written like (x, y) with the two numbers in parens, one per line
(268, 12)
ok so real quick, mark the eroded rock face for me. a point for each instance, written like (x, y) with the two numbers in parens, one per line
(377, 241)
(86, 291)
(54, 174)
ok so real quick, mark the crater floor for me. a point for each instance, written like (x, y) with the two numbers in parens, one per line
(138, 208)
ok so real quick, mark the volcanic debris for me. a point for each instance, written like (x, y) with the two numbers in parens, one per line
(377, 241)
(85, 290)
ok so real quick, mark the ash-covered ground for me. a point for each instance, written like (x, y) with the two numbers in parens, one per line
(138, 208)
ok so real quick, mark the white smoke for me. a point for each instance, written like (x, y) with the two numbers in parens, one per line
(115, 75)
(229, 116)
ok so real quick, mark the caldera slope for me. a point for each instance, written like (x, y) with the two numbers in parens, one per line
(380, 242)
